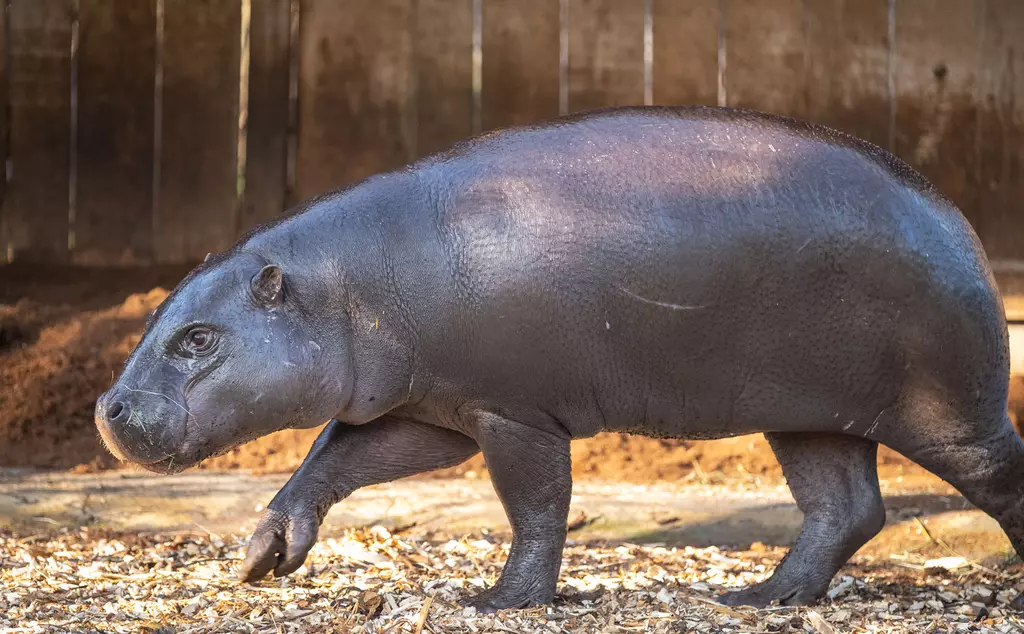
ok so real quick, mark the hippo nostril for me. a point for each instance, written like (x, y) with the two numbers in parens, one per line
(116, 410)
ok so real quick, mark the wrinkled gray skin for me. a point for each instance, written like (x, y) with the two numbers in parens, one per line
(685, 273)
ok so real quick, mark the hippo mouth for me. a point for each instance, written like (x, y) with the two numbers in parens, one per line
(169, 463)
(174, 462)
(167, 466)
(160, 433)
(138, 428)
(189, 453)
(193, 451)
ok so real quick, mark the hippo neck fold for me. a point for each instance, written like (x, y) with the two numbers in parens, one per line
(356, 259)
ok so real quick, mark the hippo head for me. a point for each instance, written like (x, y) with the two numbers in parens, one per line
(232, 354)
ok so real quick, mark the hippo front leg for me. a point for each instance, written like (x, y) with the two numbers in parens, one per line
(532, 474)
(344, 458)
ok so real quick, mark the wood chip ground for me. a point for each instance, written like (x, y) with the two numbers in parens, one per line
(372, 581)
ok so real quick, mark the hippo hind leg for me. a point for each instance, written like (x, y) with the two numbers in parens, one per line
(983, 457)
(834, 480)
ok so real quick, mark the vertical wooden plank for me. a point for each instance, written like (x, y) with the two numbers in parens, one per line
(765, 53)
(353, 92)
(685, 62)
(198, 189)
(116, 76)
(1000, 213)
(40, 128)
(4, 137)
(848, 66)
(444, 73)
(267, 117)
(520, 61)
(606, 53)
(937, 77)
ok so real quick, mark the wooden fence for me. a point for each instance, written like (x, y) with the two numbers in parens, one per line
(124, 142)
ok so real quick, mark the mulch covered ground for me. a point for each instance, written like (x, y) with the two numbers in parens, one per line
(369, 580)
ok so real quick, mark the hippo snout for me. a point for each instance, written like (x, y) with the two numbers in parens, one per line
(139, 427)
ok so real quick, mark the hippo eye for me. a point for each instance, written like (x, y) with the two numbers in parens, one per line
(199, 340)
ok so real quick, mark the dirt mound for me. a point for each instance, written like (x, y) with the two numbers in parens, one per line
(65, 333)
(56, 365)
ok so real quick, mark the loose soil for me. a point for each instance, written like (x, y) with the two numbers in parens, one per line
(64, 334)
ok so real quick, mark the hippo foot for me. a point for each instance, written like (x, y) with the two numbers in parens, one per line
(280, 542)
(761, 595)
(498, 598)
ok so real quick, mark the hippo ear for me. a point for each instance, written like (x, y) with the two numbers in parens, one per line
(267, 285)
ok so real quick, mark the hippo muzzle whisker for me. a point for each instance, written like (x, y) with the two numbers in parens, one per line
(176, 403)
(135, 416)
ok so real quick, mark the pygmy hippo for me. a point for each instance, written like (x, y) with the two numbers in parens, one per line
(672, 272)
